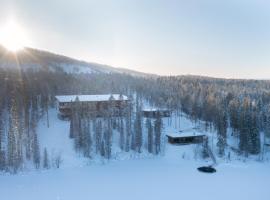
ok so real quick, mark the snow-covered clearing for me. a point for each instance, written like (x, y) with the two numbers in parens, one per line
(171, 176)
(168, 177)
(56, 139)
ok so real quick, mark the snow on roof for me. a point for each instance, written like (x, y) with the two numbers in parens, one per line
(185, 134)
(101, 97)
(154, 109)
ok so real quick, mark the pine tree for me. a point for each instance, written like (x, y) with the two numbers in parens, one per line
(128, 127)
(71, 127)
(122, 136)
(1, 130)
(28, 137)
(98, 136)
(244, 127)
(11, 147)
(2, 160)
(254, 133)
(87, 139)
(102, 149)
(138, 132)
(221, 131)
(2, 152)
(36, 151)
(158, 131)
(150, 135)
(14, 143)
(77, 125)
(45, 160)
(107, 139)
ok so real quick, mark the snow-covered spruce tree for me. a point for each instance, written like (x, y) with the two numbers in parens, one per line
(244, 127)
(128, 126)
(267, 124)
(2, 160)
(46, 164)
(76, 118)
(122, 134)
(15, 158)
(138, 132)
(87, 138)
(158, 131)
(11, 154)
(33, 134)
(36, 151)
(108, 139)
(234, 116)
(2, 151)
(254, 135)
(150, 135)
(71, 126)
(28, 138)
(102, 148)
(98, 136)
(265, 128)
(57, 161)
(221, 125)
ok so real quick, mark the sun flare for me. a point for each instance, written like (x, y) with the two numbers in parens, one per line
(12, 36)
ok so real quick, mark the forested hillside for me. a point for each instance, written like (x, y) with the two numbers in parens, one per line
(236, 107)
(242, 105)
(35, 59)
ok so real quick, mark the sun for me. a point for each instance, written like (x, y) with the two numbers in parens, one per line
(12, 36)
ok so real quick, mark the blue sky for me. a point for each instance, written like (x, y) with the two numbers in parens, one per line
(215, 38)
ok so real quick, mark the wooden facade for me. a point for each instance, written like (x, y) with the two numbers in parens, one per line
(187, 139)
(155, 113)
(94, 105)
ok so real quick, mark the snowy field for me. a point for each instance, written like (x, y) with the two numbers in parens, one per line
(168, 177)
(173, 175)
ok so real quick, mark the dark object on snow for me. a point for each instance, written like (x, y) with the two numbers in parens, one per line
(207, 169)
(181, 139)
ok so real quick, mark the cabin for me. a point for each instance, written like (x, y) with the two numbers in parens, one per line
(154, 113)
(95, 105)
(186, 138)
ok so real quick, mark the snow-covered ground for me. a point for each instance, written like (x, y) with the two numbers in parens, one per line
(55, 139)
(168, 177)
(173, 175)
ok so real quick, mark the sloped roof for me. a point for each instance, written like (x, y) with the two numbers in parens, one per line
(101, 97)
(185, 134)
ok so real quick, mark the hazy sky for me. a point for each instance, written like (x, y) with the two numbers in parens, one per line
(222, 38)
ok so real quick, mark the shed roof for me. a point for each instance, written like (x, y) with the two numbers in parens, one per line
(155, 109)
(186, 134)
(101, 97)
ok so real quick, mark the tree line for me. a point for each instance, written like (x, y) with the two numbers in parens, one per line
(222, 104)
(94, 135)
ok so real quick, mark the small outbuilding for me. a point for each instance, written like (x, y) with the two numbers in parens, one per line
(155, 112)
(186, 138)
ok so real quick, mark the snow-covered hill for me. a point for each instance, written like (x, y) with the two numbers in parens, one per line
(43, 60)
(171, 176)
(55, 138)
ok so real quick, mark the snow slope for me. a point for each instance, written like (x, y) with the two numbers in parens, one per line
(171, 176)
(168, 177)
(55, 139)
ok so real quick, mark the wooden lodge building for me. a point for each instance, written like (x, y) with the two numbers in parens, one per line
(154, 113)
(186, 138)
(95, 105)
